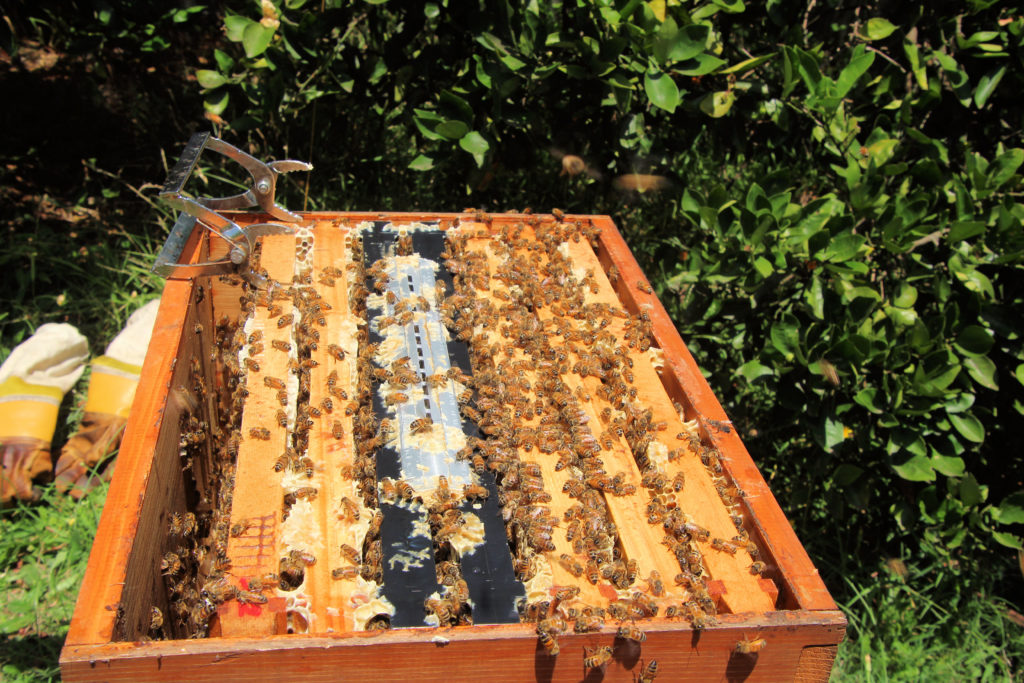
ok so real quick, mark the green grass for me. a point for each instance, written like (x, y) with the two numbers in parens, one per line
(44, 549)
(927, 623)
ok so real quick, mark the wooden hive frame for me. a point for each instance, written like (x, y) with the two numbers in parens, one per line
(790, 609)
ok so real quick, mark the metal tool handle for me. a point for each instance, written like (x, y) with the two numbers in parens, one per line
(204, 210)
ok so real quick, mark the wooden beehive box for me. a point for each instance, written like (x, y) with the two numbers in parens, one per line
(749, 604)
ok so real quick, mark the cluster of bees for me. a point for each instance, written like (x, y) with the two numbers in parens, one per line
(542, 330)
(529, 327)
(195, 560)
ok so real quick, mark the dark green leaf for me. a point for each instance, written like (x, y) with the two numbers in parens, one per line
(917, 468)
(987, 85)
(969, 426)
(210, 79)
(906, 295)
(689, 42)
(877, 28)
(950, 466)
(453, 130)
(852, 72)
(785, 336)
(974, 340)
(970, 493)
(700, 65)
(748, 64)
(256, 39)
(421, 163)
(846, 474)
(983, 371)
(866, 398)
(216, 101)
(1011, 510)
(235, 25)
(224, 61)
(661, 90)
(717, 104)
(1004, 167)
(962, 230)
(751, 370)
(475, 144)
(1007, 539)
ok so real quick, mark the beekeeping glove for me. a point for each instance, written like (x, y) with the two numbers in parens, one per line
(112, 384)
(33, 381)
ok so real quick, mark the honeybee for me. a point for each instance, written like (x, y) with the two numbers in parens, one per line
(273, 310)
(632, 569)
(678, 482)
(241, 527)
(749, 647)
(281, 345)
(570, 564)
(375, 522)
(256, 336)
(473, 491)
(440, 608)
(273, 383)
(723, 545)
(250, 597)
(337, 430)
(593, 572)
(252, 365)
(351, 408)
(285, 320)
(282, 397)
(404, 490)
(309, 492)
(336, 351)
(261, 433)
(596, 657)
(170, 564)
(282, 418)
(549, 642)
(649, 673)
(588, 623)
(422, 425)
(645, 603)
(282, 462)
(631, 633)
(350, 553)
(395, 398)
(156, 617)
(563, 593)
(345, 573)
(655, 584)
(302, 556)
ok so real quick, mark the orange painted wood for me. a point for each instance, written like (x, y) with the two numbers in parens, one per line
(491, 653)
(258, 497)
(795, 570)
(150, 430)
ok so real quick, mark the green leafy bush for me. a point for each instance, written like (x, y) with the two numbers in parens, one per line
(855, 282)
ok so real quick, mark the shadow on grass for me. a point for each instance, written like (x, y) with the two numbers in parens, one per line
(33, 657)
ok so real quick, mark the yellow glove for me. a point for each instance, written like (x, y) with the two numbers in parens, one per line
(111, 392)
(33, 381)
